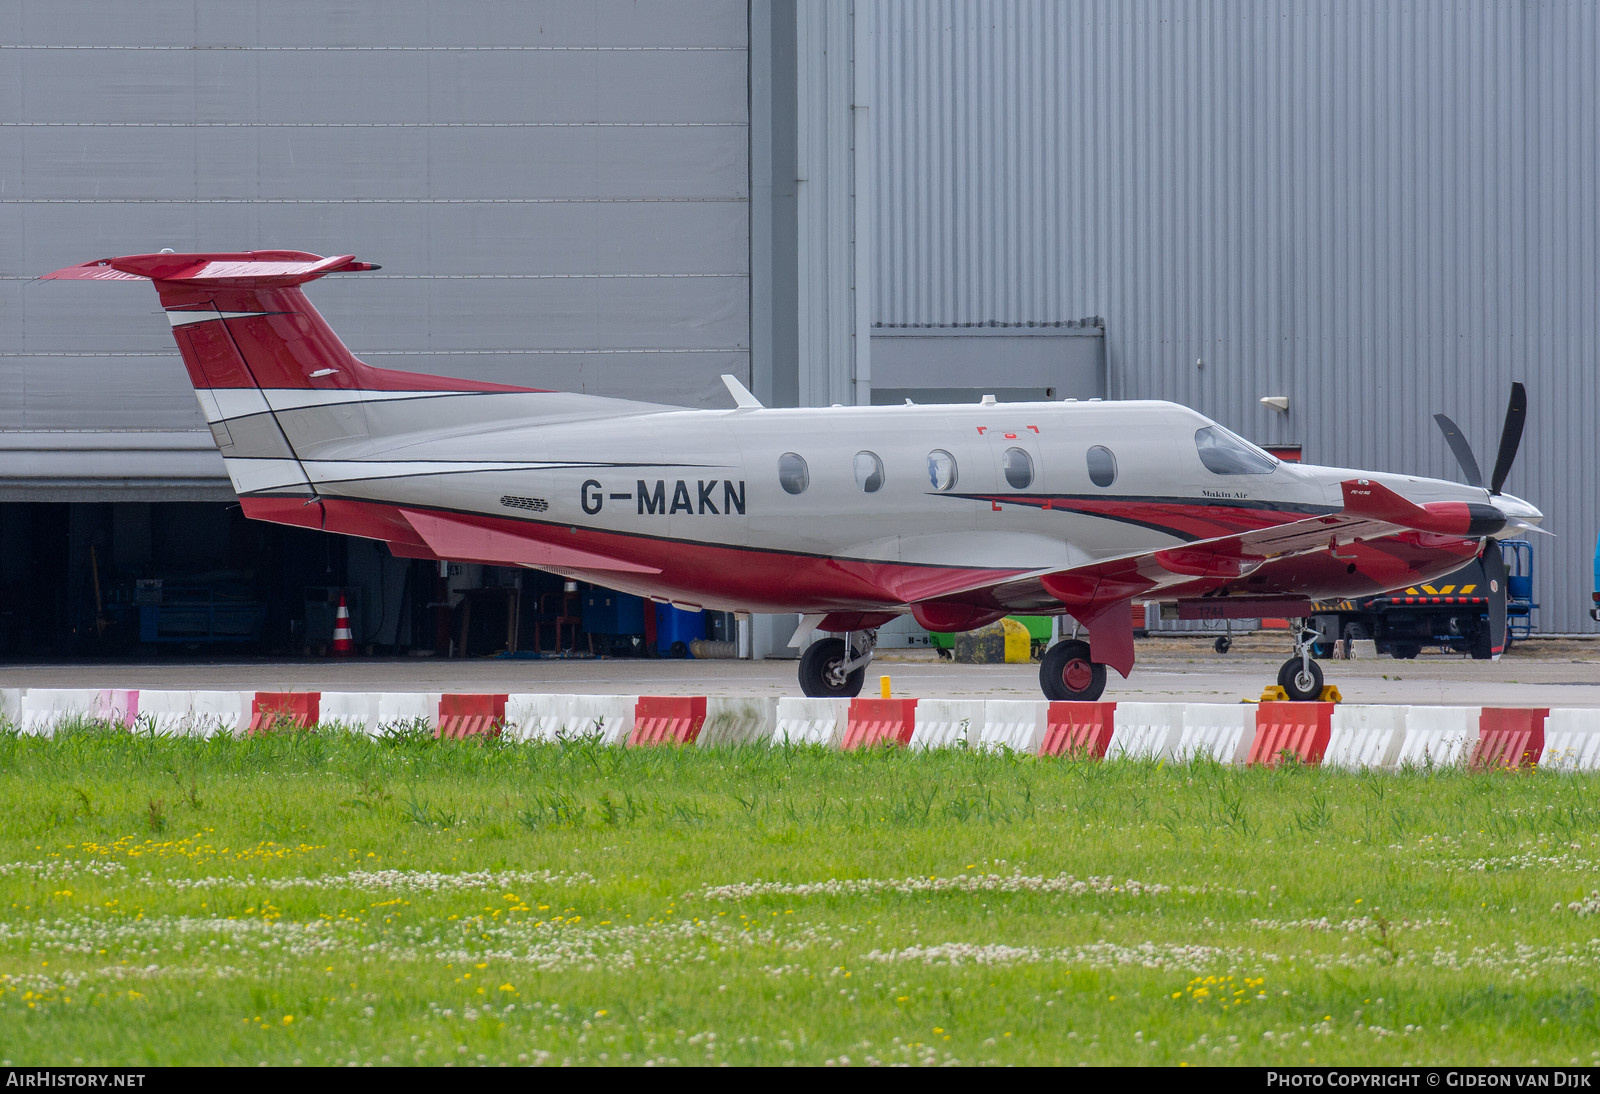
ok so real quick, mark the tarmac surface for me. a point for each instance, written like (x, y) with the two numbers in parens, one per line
(1543, 672)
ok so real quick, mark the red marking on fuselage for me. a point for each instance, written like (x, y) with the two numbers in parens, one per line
(779, 581)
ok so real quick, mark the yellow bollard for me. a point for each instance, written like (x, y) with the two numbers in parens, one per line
(883, 686)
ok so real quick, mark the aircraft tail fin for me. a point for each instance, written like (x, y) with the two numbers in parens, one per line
(256, 349)
(241, 321)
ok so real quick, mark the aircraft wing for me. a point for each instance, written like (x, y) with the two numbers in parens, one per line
(1100, 590)
(456, 537)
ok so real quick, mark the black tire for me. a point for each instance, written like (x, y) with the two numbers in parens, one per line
(1322, 649)
(1068, 674)
(1300, 683)
(819, 657)
(1223, 644)
(1405, 651)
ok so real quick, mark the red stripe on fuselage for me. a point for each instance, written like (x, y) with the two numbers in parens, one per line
(759, 579)
(1182, 519)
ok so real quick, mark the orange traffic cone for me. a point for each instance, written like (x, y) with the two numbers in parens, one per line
(343, 642)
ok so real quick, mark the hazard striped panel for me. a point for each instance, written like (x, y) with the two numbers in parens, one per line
(667, 720)
(1297, 731)
(463, 716)
(1510, 737)
(278, 710)
(880, 721)
(1081, 730)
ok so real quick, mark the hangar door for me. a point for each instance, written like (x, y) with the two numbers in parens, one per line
(558, 194)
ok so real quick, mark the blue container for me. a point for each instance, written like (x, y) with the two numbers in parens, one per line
(607, 612)
(676, 628)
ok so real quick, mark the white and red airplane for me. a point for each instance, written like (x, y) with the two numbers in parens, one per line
(957, 514)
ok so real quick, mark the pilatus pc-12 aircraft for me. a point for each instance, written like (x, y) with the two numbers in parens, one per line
(850, 516)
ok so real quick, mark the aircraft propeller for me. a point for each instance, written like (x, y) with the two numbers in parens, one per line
(1510, 440)
(1494, 563)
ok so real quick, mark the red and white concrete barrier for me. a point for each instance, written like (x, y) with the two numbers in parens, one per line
(1572, 740)
(1365, 736)
(667, 720)
(1438, 736)
(40, 711)
(948, 723)
(1290, 731)
(1082, 730)
(738, 721)
(463, 716)
(811, 721)
(1221, 731)
(1509, 737)
(1017, 724)
(873, 722)
(356, 711)
(1146, 731)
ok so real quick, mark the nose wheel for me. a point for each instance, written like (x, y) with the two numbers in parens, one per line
(1301, 677)
(835, 668)
(1068, 673)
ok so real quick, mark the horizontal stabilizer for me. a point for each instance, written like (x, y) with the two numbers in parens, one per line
(234, 269)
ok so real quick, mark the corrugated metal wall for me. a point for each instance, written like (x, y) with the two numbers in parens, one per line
(558, 192)
(1379, 210)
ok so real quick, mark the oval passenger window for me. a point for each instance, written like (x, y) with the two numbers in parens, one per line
(793, 474)
(1018, 468)
(941, 469)
(869, 472)
(1102, 466)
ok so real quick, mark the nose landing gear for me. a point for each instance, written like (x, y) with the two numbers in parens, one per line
(1301, 677)
(835, 668)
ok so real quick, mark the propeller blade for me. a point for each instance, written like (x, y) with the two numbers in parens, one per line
(1510, 437)
(1463, 451)
(1494, 570)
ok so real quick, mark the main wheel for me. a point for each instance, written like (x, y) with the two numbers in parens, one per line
(1068, 673)
(1223, 644)
(1301, 680)
(820, 677)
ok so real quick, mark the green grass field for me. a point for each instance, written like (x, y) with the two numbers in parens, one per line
(322, 898)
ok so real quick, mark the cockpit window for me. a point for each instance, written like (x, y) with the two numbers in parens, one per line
(1226, 453)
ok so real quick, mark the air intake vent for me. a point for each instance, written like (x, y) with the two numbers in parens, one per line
(532, 505)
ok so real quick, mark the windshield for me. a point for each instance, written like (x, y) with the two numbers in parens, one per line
(1226, 453)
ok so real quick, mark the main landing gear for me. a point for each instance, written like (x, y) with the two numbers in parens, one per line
(1069, 673)
(835, 668)
(1301, 677)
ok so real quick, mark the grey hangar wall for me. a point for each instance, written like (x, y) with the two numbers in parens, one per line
(1378, 211)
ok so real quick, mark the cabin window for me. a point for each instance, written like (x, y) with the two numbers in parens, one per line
(869, 472)
(1226, 453)
(1018, 466)
(941, 469)
(793, 474)
(1102, 466)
